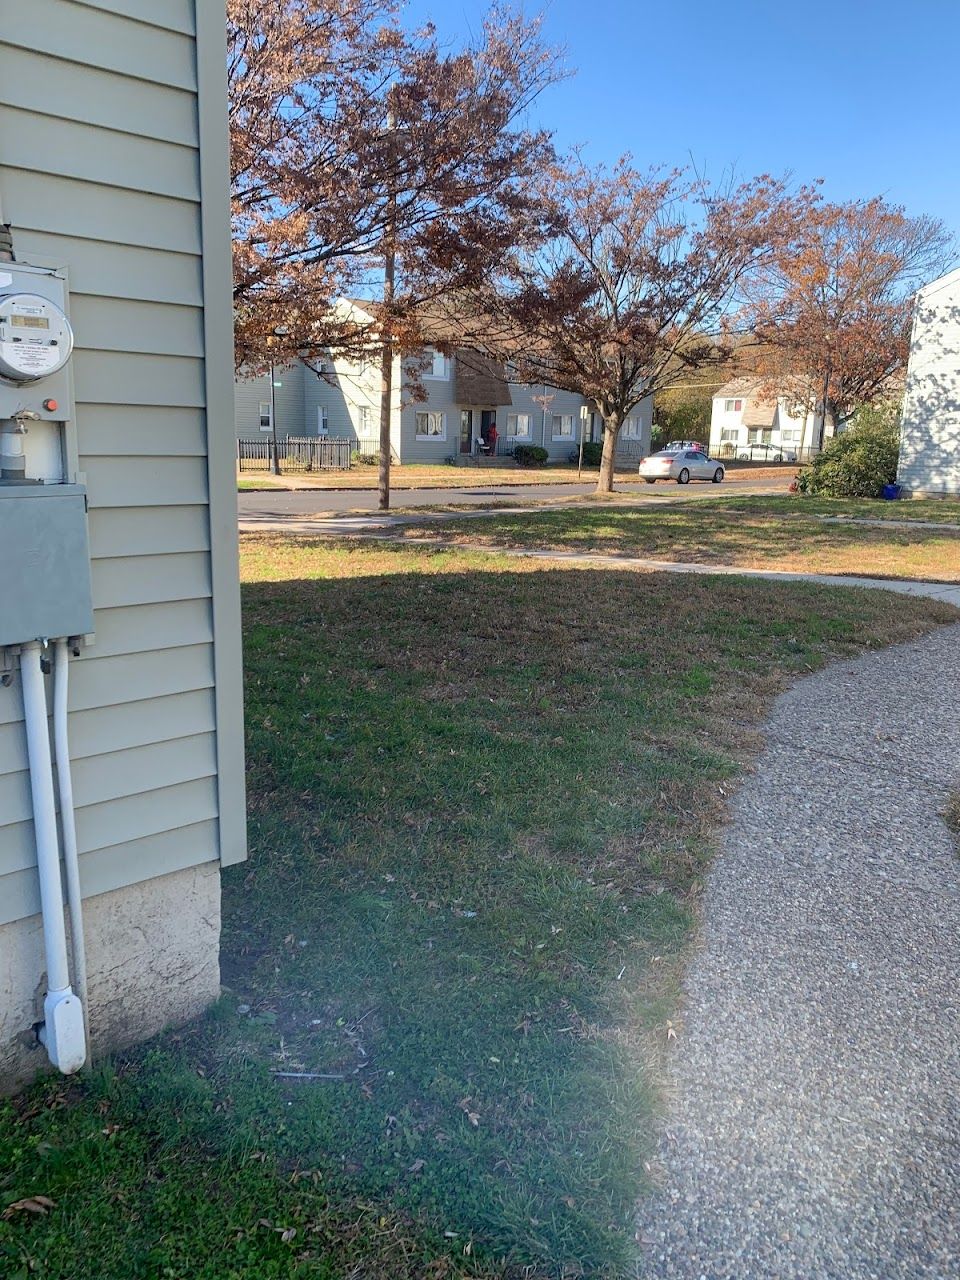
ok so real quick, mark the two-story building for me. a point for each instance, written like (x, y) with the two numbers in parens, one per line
(747, 421)
(459, 398)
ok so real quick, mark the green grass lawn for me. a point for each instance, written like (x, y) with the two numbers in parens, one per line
(482, 797)
(750, 532)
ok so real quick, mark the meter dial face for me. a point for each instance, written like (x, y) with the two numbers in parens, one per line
(35, 337)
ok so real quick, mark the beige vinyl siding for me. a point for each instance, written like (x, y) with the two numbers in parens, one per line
(100, 173)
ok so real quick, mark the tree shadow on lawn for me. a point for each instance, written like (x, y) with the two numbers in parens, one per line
(482, 797)
(481, 804)
(731, 532)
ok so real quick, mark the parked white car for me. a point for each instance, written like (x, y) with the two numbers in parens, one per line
(682, 465)
(767, 453)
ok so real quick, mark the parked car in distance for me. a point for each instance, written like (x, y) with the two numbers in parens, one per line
(767, 453)
(684, 444)
(682, 465)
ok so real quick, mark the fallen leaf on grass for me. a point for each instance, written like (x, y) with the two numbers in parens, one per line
(30, 1204)
(472, 1116)
(416, 1166)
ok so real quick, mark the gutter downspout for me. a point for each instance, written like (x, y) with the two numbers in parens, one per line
(62, 1030)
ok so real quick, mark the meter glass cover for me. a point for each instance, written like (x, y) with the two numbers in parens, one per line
(30, 322)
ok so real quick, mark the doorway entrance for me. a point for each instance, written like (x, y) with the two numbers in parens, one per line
(488, 419)
(466, 431)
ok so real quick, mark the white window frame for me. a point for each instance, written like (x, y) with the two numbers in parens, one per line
(791, 435)
(514, 431)
(439, 370)
(363, 421)
(729, 435)
(266, 423)
(435, 425)
(632, 429)
(562, 419)
(323, 420)
(733, 406)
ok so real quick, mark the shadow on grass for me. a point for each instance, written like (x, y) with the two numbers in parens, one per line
(760, 533)
(481, 798)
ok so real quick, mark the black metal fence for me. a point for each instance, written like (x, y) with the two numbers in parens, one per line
(773, 453)
(295, 453)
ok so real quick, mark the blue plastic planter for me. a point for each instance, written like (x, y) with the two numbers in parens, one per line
(891, 492)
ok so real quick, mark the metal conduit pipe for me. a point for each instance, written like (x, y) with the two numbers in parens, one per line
(62, 1031)
(68, 829)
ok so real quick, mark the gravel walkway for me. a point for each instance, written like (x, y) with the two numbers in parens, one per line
(815, 1127)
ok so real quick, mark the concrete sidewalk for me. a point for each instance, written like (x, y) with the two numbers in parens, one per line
(815, 1127)
(381, 528)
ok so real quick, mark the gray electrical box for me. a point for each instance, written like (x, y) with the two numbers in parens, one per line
(44, 563)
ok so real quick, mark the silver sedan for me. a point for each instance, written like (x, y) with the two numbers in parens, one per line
(682, 465)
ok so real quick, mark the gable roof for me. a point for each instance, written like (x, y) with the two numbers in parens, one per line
(478, 379)
(740, 386)
(759, 413)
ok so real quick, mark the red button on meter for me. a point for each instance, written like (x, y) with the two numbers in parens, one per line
(50, 405)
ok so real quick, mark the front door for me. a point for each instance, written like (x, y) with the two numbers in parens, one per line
(488, 419)
(466, 431)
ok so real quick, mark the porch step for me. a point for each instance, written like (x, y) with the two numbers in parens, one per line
(469, 460)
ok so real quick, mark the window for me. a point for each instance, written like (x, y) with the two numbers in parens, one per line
(790, 434)
(760, 435)
(438, 367)
(265, 423)
(729, 435)
(732, 406)
(632, 429)
(518, 426)
(431, 426)
(323, 420)
(563, 426)
(363, 420)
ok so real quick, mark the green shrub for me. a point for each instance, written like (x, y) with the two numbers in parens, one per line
(530, 455)
(859, 462)
(592, 453)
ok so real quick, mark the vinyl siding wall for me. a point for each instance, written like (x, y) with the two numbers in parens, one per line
(100, 173)
(250, 393)
(930, 437)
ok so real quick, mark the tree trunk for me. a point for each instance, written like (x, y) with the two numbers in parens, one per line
(386, 349)
(605, 479)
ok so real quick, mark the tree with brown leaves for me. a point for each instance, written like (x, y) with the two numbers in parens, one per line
(635, 288)
(831, 311)
(369, 161)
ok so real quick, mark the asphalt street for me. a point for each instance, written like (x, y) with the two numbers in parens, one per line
(255, 508)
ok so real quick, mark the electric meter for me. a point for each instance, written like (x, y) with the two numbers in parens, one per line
(35, 337)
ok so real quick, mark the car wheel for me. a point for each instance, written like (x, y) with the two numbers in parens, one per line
(778, 457)
(744, 457)
(649, 481)
(683, 477)
(718, 475)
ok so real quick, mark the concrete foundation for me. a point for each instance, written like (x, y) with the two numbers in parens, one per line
(152, 957)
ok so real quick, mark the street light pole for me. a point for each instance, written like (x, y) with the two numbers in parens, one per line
(279, 332)
(273, 423)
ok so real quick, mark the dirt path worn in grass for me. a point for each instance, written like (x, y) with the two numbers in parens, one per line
(816, 1124)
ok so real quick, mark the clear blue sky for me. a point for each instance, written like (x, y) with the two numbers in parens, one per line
(862, 93)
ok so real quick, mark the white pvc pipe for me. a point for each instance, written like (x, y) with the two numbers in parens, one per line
(44, 818)
(62, 1031)
(68, 826)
